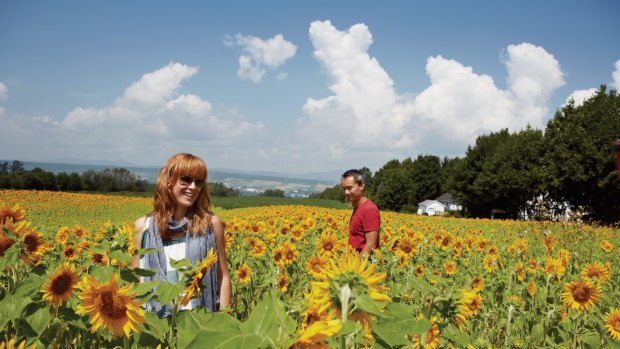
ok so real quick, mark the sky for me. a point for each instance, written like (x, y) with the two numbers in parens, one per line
(290, 86)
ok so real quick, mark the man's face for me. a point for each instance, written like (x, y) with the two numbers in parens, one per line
(352, 190)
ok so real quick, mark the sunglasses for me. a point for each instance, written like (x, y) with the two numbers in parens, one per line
(187, 181)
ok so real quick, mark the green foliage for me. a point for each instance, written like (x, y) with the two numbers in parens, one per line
(500, 172)
(115, 180)
(219, 189)
(331, 193)
(579, 162)
(278, 193)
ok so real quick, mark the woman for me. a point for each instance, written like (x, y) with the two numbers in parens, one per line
(182, 226)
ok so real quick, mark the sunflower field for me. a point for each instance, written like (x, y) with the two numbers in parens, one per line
(66, 281)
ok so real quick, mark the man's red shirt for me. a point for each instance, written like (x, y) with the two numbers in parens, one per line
(365, 218)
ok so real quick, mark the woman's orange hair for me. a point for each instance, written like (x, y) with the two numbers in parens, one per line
(199, 216)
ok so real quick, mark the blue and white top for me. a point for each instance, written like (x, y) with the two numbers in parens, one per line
(190, 246)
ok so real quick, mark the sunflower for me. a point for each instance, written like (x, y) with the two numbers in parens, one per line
(449, 267)
(356, 273)
(282, 281)
(314, 335)
(59, 287)
(477, 283)
(419, 270)
(289, 252)
(612, 324)
(316, 265)
(474, 303)
(327, 244)
(11, 345)
(278, 256)
(5, 243)
(15, 214)
(316, 310)
(258, 249)
(581, 295)
(194, 285)
(110, 306)
(462, 311)
(446, 241)
(549, 242)
(34, 245)
(597, 271)
(531, 266)
(244, 274)
(429, 340)
(70, 252)
(406, 247)
(98, 258)
(62, 235)
(520, 272)
(607, 246)
(531, 289)
(490, 264)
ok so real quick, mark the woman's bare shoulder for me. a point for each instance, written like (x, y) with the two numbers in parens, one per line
(140, 224)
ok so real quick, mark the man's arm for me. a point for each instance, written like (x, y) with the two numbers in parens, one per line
(372, 241)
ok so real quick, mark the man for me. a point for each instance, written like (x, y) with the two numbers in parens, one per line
(365, 220)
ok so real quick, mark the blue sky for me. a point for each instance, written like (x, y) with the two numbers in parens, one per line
(290, 86)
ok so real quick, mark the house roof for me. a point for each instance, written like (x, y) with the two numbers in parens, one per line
(430, 202)
(446, 197)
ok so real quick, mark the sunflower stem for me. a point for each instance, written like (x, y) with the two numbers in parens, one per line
(511, 309)
(345, 296)
(172, 334)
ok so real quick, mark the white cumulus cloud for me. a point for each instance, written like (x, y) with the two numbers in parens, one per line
(149, 122)
(260, 54)
(365, 121)
(4, 92)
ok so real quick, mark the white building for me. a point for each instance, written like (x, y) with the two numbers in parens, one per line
(431, 208)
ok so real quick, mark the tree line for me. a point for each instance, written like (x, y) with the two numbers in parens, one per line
(530, 173)
(14, 176)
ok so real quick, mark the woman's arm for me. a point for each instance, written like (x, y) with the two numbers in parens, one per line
(137, 238)
(223, 275)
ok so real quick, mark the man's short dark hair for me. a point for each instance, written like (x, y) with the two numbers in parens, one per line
(357, 175)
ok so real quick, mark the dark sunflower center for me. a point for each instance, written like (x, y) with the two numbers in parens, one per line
(69, 252)
(111, 305)
(31, 243)
(5, 243)
(311, 318)
(581, 294)
(61, 284)
(328, 246)
(98, 258)
(406, 248)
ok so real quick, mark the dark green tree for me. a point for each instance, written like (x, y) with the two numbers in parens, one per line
(424, 178)
(219, 189)
(17, 167)
(579, 162)
(331, 193)
(502, 171)
(390, 187)
(278, 193)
